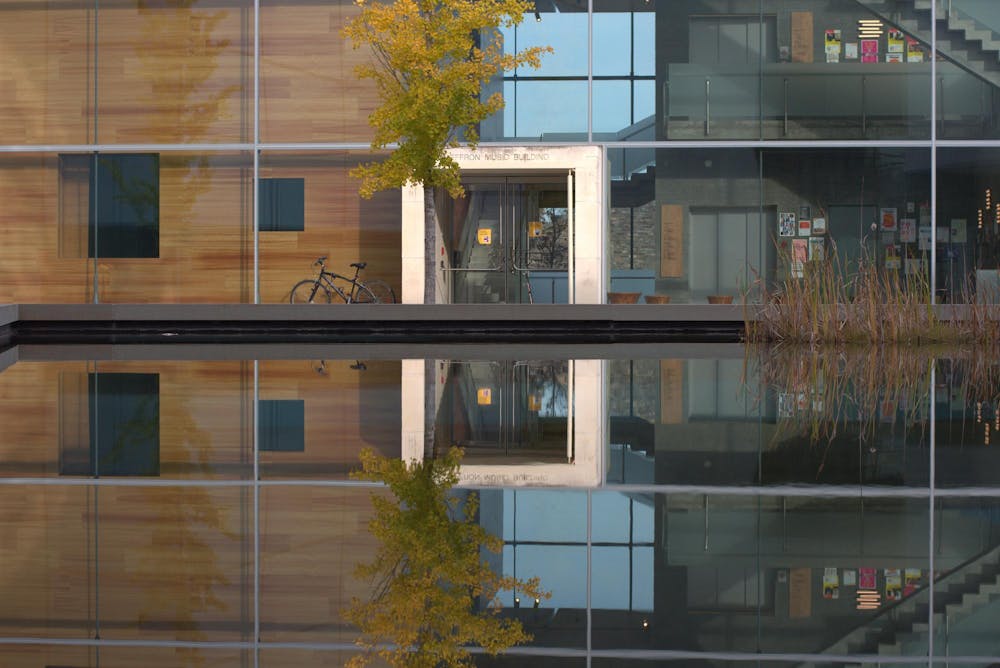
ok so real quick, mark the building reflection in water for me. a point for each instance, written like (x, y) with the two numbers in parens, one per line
(704, 509)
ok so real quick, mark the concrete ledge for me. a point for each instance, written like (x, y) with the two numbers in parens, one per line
(290, 313)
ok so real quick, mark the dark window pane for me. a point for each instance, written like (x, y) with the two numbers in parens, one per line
(282, 425)
(125, 205)
(282, 205)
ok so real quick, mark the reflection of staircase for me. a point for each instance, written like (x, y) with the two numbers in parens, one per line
(902, 629)
(961, 39)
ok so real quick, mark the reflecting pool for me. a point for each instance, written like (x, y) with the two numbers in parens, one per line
(684, 505)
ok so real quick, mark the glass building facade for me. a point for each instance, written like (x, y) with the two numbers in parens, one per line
(742, 138)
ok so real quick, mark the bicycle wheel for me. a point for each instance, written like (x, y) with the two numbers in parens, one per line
(379, 292)
(309, 292)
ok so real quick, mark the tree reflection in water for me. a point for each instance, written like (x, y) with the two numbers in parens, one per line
(433, 594)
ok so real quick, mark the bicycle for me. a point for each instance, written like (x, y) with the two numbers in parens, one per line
(322, 288)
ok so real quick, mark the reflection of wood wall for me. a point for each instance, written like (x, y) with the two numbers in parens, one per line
(184, 75)
(174, 562)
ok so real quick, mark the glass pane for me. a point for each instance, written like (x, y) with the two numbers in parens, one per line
(968, 225)
(174, 73)
(175, 562)
(564, 31)
(309, 89)
(311, 540)
(47, 591)
(47, 80)
(44, 238)
(611, 31)
(967, 81)
(337, 224)
(544, 110)
(346, 405)
(188, 220)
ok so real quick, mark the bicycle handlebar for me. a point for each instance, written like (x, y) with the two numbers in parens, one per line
(320, 261)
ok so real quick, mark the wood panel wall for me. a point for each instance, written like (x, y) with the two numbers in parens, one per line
(183, 74)
(173, 561)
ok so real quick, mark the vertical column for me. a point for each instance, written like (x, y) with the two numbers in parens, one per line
(412, 391)
(412, 269)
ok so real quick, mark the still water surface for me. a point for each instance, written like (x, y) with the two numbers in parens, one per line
(183, 506)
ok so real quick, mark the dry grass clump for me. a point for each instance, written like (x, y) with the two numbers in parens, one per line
(832, 303)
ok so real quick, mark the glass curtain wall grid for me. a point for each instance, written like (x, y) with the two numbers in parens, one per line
(147, 174)
(225, 533)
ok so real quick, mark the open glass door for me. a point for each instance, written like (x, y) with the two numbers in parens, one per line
(509, 241)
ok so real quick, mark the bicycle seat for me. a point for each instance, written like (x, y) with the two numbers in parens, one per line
(359, 265)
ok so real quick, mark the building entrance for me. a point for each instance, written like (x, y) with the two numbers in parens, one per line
(505, 412)
(509, 240)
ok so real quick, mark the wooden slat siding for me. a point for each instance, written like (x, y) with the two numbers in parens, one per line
(309, 93)
(338, 223)
(200, 412)
(180, 74)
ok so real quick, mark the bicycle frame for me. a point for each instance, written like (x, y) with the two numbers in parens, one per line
(328, 277)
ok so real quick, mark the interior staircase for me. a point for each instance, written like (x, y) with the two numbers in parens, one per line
(961, 39)
(903, 629)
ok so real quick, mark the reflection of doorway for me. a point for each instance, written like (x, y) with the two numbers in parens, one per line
(505, 412)
(510, 241)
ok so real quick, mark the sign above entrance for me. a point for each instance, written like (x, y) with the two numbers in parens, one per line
(501, 155)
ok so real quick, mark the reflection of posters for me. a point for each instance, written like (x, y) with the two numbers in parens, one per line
(819, 225)
(907, 230)
(850, 577)
(893, 584)
(924, 237)
(925, 214)
(866, 578)
(893, 57)
(915, 266)
(892, 258)
(805, 227)
(831, 583)
(943, 234)
(800, 255)
(913, 51)
(911, 579)
(851, 51)
(786, 224)
(958, 228)
(817, 250)
(869, 50)
(832, 46)
(888, 217)
(895, 41)
(786, 404)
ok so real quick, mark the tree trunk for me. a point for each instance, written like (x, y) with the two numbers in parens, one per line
(430, 245)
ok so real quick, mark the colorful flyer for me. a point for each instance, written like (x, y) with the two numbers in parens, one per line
(484, 236)
(892, 257)
(832, 46)
(850, 577)
(786, 404)
(819, 225)
(805, 227)
(869, 50)
(866, 578)
(535, 229)
(817, 249)
(484, 396)
(786, 224)
(893, 57)
(800, 255)
(914, 54)
(895, 44)
(893, 584)
(911, 580)
(851, 51)
(831, 583)
(888, 218)
(907, 230)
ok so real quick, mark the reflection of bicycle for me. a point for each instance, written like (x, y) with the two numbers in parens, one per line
(320, 290)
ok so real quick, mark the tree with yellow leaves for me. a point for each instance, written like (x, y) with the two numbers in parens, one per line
(431, 59)
(433, 593)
